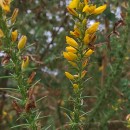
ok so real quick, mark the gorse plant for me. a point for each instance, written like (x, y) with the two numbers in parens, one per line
(80, 47)
(16, 61)
(97, 103)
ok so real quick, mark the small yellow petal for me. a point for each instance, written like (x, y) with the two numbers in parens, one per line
(73, 4)
(14, 35)
(100, 9)
(89, 52)
(70, 56)
(6, 8)
(89, 9)
(86, 39)
(25, 63)
(93, 28)
(86, 2)
(71, 49)
(22, 42)
(69, 76)
(70, 41)
(76, 32)
(73, 56)
(67, 56)
(85, 9)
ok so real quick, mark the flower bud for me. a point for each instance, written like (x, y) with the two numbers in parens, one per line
(70, 56)
(100, 9)
(14, 15)
(89, 52)
(25, 63)
(70, 41)
(93, 28)
(72, 12)
(73, 56)
(73, 4)
(86, 39)
(14, 35)
(89, 9)
(69, 76)
(67, 56)
(22, 42)
(76, 32)
(86, 2)
(71, 49)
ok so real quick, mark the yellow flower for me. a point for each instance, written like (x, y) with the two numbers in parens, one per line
(70, 41)
(75, 86)
(89, 52)
(25, 63)
(73, 4)
(5, 5)
(73, 56)
(89, 9)
(86, 39)
(22, 42)
(93, 28)
(69, 76)
(76, 32)
(67, 56)
(71, 49)
(14, 35)
(70, 56)
(72, 11)
(86, 2)
(14, 15)
(73, 64)
(100, 9)
(1, 33)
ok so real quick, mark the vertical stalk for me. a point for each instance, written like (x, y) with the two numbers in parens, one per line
(17, 66)
(79, 51)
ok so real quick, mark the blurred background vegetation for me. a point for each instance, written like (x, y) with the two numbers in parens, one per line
(46, 23)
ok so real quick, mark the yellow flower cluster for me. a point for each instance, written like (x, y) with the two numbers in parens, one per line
(85, 7)
(78, 50)
(5, 5)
